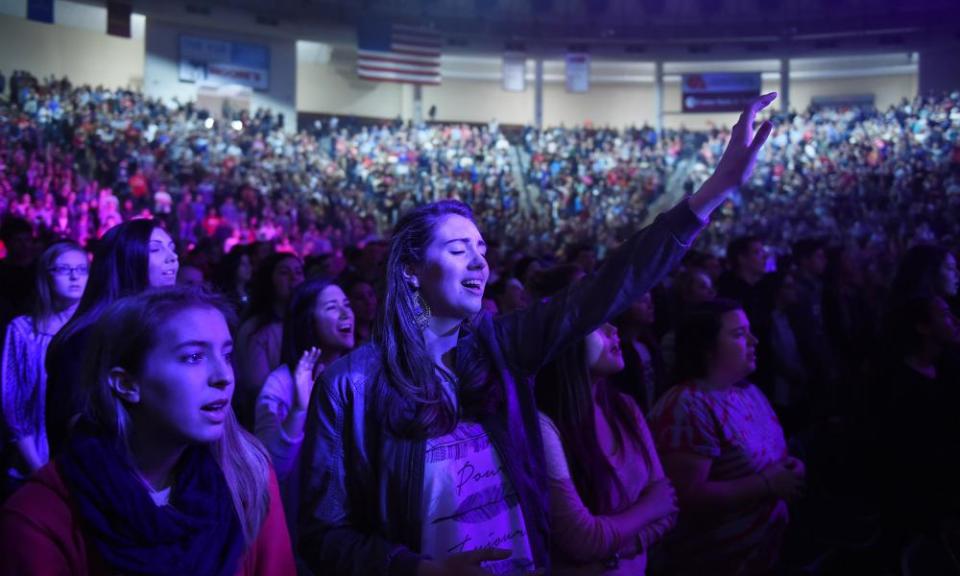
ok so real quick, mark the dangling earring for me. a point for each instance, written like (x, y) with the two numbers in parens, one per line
(421, 313)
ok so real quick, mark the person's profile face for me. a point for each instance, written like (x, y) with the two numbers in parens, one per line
(603, 354)
(187, 380)
(163, 262)
(287, 275)
(454, 272)
(334, 319)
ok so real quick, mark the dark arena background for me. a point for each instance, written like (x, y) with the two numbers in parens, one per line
(466, 287)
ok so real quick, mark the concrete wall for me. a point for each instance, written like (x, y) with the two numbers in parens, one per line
(312, 76)
(83, 55)
(887, 90)
(478, 101)
(604, 105)
(327, 82)
(471, 91)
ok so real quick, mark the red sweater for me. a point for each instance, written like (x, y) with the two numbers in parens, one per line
(40, 534)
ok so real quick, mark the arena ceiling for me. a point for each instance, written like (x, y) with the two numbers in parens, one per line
(676, 28)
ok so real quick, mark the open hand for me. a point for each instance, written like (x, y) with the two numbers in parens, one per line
(740, 156)
(304, 376)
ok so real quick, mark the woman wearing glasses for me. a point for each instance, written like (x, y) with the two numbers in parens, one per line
(60, 282)
(129, 258)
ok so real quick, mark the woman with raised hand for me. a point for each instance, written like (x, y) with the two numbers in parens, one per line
(130, 258)
(318, 329)
(157, 477)
(724, 450)
(423, 452)
(60, 280)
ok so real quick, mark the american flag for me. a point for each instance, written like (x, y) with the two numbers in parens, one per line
(395, 53)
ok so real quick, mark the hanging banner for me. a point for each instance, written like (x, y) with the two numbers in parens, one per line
(719, 92)
(514, 72)
(222, 62)
(40, 11)
(118, 19)
(578, 72)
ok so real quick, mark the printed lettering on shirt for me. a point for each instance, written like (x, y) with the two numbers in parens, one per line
(470, 503)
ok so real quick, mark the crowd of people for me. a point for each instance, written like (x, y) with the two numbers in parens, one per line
(78, 160)
(233, 349)
(889, 176)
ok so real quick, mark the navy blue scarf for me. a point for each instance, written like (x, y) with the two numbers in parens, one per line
(197, 533)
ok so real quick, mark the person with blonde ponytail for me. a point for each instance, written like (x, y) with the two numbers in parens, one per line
(157, 476)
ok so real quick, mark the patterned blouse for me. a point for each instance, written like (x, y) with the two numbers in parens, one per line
(739, 432)
(23, 389)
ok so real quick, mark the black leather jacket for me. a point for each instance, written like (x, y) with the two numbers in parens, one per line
(362, 487)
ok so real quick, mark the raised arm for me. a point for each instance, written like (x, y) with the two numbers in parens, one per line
(739, 158)
(534, 336)
(279, 425)
(281, 411)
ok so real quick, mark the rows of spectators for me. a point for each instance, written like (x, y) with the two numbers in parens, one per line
(829, 281)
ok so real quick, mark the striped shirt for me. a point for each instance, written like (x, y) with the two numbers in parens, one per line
(738, 431)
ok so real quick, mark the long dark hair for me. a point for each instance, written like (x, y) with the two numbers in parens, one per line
(408, 392)
(225, 274)
(564, 392)
(262, 292)
(299, 327)
(917, 278)
(632, 377)
(123, 335)
(120, 268)
(697, 338)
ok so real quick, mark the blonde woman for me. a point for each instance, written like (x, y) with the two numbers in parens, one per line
(157, 477)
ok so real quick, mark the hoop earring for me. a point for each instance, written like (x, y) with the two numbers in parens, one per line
(421, 313)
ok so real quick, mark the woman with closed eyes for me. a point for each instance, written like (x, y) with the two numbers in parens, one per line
(423, 454)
